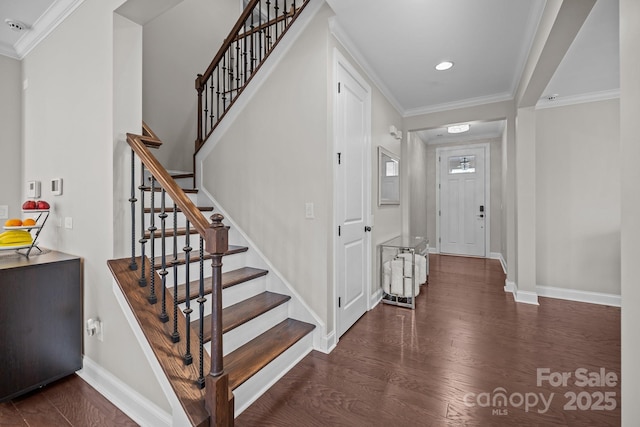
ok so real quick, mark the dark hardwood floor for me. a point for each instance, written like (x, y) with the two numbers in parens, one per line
(444, 364)
(449, 362)
(66, 402)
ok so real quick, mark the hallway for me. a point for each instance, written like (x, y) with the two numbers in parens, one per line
(441, 364)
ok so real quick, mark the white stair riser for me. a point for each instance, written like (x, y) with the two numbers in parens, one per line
(258, 384)
(229, 296)
(235, 262)
(250, 330)
(168, 202)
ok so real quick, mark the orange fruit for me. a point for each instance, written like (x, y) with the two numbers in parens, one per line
(29, 221)
(13, 222)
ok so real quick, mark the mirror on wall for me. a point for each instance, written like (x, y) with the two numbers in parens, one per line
(388, 178)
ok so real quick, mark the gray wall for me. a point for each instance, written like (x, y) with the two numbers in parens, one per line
(69, 133)
(578, 197)
(417, 173)
(11, 136)
(279, 154)
(178, 45)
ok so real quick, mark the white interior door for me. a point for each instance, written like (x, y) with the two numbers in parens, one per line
(353, 129)
(463, 212)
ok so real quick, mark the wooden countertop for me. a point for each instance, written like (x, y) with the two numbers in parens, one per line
(10, 259)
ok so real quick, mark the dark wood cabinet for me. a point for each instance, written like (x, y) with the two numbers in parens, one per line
(40, 320)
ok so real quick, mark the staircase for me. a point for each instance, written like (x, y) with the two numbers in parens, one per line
(256, 328)
(215, 319)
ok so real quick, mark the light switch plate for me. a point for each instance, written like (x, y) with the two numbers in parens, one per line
(308, 210)
(33, 189)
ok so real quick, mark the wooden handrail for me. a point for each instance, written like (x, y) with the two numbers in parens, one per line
(237, 73)
(230, 39)
(218, 399)
(176, 194)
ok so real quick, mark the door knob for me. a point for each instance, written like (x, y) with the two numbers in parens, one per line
(367, 228)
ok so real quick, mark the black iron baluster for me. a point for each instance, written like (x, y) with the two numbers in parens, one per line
(143, 280)
(164, 317)
(175, 336)
(133, 265)
(238, 73)
(201, 301)
(268, 28)
(188, 358)
(244, 54)
(218, 91)
(224, 85)
(275, 14)
(253, 43)
(152, 233)
(212, 116)
(230, 74)
(261, 32)
(206, 111)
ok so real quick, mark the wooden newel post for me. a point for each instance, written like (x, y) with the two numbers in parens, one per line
(218, 399)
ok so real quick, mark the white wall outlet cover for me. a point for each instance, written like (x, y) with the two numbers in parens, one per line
(56, 186)
(4, 212)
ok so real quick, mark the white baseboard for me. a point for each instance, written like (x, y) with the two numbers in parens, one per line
(129, 401)
(499, 257)
(525, 297)
(509, 286)
(580, 296)
(375, 299)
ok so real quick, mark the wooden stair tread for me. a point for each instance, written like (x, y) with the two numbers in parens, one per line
(170, 209)
(159, 189)
(181, 377)
(242, 312)
(230, 278)
(195, 257)
(168, 232)
(244, 362)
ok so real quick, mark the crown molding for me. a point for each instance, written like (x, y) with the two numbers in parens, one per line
(465, 103)
(49, 20)
(563, 101)
(8, 50)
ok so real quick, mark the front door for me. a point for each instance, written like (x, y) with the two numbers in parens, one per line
(463, 213)
(352, 121)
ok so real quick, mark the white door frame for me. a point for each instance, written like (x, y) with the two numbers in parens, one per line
(487, 190)
(340, 61)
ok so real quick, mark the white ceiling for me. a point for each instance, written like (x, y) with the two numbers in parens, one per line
(399, 42)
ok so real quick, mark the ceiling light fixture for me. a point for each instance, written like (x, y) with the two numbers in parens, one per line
(458, 128)
(444, 65)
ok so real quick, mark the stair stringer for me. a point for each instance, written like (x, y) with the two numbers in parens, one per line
(276, 282)
(178, 415)
(268, 66)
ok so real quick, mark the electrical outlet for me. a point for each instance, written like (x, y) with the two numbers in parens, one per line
(4, 212)
(95, 328)
(68, 222)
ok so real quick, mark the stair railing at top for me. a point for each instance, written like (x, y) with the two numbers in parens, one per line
(218, 400)
(251, 40)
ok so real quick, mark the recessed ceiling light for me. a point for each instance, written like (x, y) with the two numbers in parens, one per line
(444, 65)
(458, 128)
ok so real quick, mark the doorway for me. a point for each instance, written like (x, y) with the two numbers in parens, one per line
(352, 122)
(463, 200)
